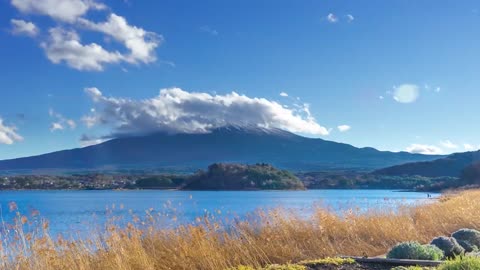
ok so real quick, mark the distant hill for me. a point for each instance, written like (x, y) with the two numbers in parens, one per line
(229, 144)
(471, 174)
(451, 165)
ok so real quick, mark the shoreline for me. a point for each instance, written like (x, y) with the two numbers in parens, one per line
(222, 190)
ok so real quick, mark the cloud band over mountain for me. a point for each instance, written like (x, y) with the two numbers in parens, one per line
(177, 111)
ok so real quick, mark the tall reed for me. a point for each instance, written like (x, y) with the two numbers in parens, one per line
(277, 236)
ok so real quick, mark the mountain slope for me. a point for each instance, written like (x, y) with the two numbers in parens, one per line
(451, 165)
(228, 144)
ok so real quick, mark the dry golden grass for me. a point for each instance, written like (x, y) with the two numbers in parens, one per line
(267, 238)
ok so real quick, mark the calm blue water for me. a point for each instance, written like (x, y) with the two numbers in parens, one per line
(76, 211)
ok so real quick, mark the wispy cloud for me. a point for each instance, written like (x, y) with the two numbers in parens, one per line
(406, 93)
(56, 126)
(445, 146)
(343, 128)
(87, 140)
(448, 144)
(21, 27)
(209, 30)
(168, 63)
(283, 94)
(424, 149)
(8, 133)
(470, 147)
(332, 18)
(349, 17)
(428, 87)
(60, 122)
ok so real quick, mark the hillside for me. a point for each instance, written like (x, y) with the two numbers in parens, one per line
(243, 177)
(451, 165)
(471, 174)
(229, 144)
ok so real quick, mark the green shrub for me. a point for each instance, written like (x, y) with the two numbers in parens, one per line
(461, 263)
(469, 239)
(468, 246)
(449, 246)
(415, 251)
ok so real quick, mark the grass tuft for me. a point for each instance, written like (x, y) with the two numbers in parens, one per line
(461, 263)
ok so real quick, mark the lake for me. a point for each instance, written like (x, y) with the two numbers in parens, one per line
(76, 211)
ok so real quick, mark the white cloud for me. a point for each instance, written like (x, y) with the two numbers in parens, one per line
(178, 111)
(140, 43)
(207, 29)
(283, 94)
(343, 128)
(350, 17)
(381, 97)
(8, 134)
(71, 123)
(332, 18)
(470, 147)
(63, 43)
(56, 126)
(168, 63)
(90, 120)
(406, 93)
(86, 140)
(63, 10)
(448, 144)
(60, 121)
(95, 94)
(428, 87)
(21, 27)
(65, 46)
(424, 149)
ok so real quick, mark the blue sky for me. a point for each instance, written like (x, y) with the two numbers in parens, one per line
(394, 75)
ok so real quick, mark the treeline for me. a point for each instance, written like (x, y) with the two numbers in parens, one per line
(361, 180)
(75, 181)
(221, 176)
(244, 177)
(216, 177)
